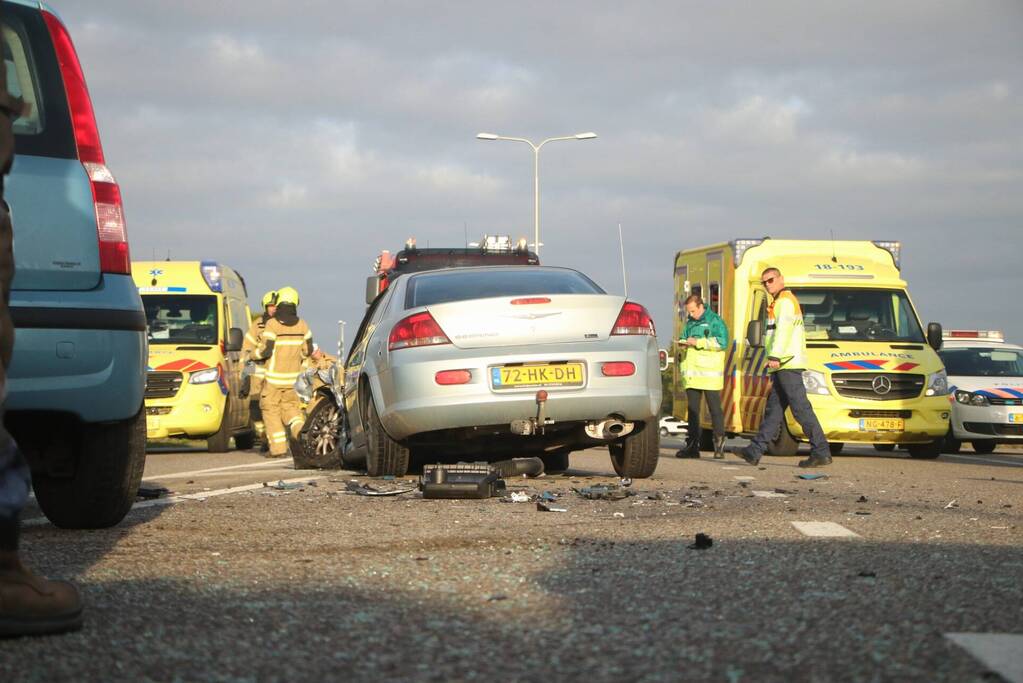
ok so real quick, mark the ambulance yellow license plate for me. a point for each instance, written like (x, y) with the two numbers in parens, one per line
(882, 424)
(537, 375)
(1016, 418)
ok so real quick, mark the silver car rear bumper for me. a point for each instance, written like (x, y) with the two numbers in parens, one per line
(412, 402)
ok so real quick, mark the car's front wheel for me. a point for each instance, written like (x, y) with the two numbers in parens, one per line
(320, 438)
(635, 456)
(384, 455)
(983, 447)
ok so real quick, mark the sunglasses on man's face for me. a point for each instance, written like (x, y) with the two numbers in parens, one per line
(767, 281)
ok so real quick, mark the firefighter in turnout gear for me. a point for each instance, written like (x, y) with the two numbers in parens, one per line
(786, 360)
(255, 370)
(285, 345)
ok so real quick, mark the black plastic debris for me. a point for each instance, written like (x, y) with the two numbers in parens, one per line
(703, 541)
(367, 490)
(867, 574)
(151, 492)
(464, 480)
(861, 499)
(604, 492)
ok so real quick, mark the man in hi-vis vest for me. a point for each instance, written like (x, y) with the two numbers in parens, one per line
(705, 340)
(287, 341)
(786, 359)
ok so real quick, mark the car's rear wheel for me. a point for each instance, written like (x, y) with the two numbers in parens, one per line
(106, 479)
(926, 451)
(884, 447)
(384, 455)
(784, 443)
(635, 456)
(951, 444)
(320, 438)
(554, 463)
(983, 447)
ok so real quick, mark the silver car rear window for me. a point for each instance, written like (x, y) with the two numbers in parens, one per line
(442, 287)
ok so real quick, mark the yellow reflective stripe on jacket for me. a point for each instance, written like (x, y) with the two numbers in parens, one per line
(786, 337)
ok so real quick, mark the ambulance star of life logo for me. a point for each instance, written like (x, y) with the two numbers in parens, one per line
(156, 272)
(882, 385)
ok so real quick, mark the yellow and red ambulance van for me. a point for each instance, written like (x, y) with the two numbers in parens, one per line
(873, 373)
(197, 314)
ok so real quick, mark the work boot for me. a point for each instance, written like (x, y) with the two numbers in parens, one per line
(745, 455)
(719, 447)
(31, 605)
(816, 461)
(690, 450)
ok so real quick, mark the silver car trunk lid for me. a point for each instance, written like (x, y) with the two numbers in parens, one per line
(528, 320)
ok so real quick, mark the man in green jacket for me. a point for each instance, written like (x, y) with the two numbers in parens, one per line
(704, 340)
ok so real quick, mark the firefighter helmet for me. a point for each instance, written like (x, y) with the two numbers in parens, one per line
(270, 298)
(287, 295)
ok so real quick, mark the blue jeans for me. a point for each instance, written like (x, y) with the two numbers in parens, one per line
(787, 391)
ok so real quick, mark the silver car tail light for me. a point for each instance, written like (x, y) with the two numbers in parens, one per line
(418, 329)
(633, 319)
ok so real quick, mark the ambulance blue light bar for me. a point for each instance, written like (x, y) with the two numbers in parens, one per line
(893, 248)
(739, 247)
(212, 273)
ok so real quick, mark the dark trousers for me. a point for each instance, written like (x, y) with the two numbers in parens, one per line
(717, 417)
(787, 391)
(14, 474)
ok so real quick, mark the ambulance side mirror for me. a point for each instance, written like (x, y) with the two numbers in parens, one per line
(934, 335)
(235, 337)
(372, 288)
(755, 333)
(664, 359)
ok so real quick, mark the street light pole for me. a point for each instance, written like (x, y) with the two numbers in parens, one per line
(536, 171)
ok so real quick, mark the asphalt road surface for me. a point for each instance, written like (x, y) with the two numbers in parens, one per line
(865, 575)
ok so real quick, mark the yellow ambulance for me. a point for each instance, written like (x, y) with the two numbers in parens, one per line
(197, 314)
(873, 374)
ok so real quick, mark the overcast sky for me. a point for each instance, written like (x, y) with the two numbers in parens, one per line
(294, 141)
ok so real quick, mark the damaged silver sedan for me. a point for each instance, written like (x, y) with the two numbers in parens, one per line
(494, 362)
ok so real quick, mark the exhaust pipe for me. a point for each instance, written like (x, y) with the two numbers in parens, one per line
(610, 428)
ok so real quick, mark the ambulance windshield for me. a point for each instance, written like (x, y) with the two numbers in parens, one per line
(983, 362)
(181, 319)
(881, 315)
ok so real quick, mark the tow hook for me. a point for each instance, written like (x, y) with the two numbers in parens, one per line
(533, 425)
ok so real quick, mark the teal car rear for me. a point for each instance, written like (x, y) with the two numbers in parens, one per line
(77, 376)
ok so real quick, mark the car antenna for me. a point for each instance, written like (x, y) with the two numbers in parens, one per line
(834, 257)
(621, 249)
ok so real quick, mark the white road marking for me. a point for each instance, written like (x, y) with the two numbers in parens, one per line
(744, 478)
(986, 460)
(213, 470)
(729, 468)
(199, 495)
(824, 530)
(769, 494)
(1000, 652)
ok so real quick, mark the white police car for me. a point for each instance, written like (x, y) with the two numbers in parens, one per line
(985, 377)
